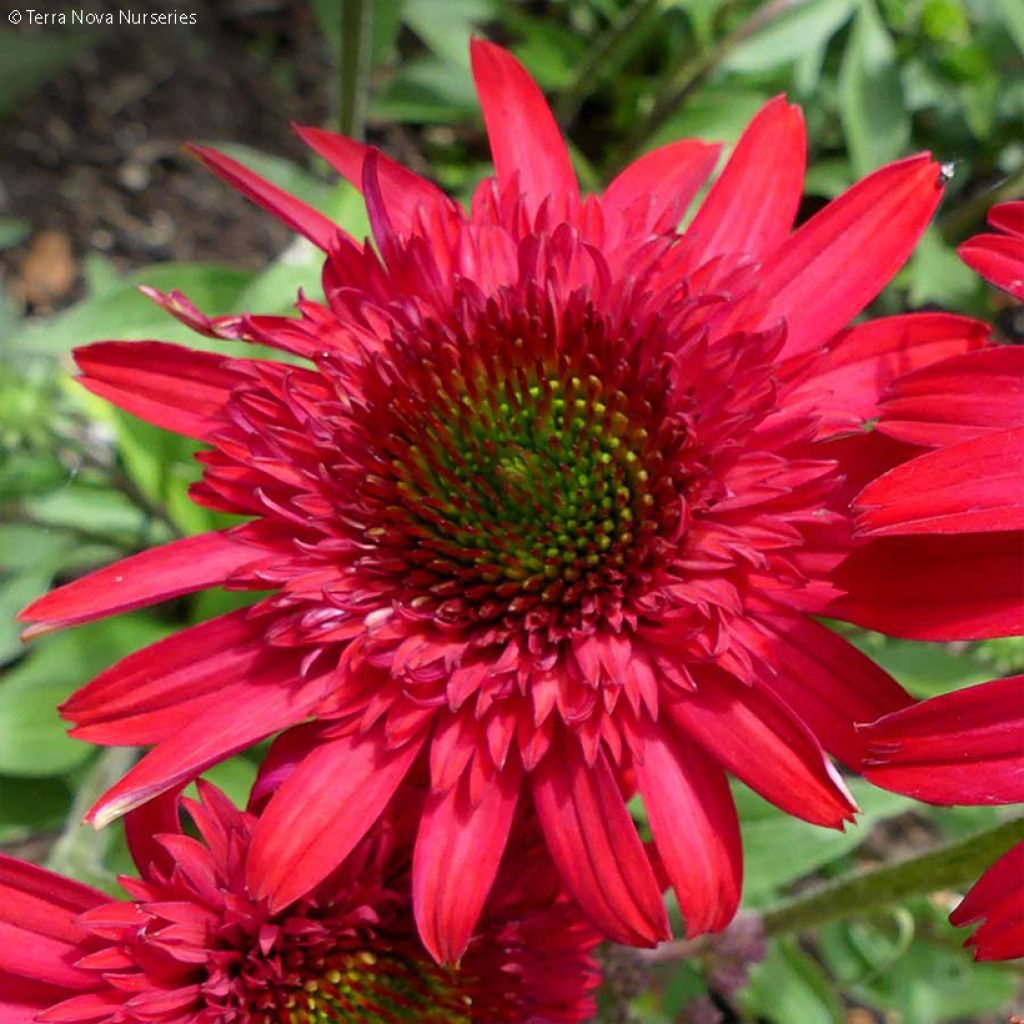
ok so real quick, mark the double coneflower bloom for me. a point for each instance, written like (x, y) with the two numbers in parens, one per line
(542, 501)
(193, 945)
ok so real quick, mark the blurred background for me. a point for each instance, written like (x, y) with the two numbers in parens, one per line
(97, 196)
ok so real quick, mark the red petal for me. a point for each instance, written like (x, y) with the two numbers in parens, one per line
(594, 843)
(524, 137)
(958, 399)
(973, 487)
(760, 741)
(322, 811)
(149, 695)
(834, 265)
(997, 258)
(1008, 217)
(693, 818)
(167, 385)
(226, 722)
(954, 587)
(181, 567)
(965, 747)
(289, 210)
(999, 891)
(826, 682)
(39, 937)
(404, 192)
(850, 378)
(751, 207)
(458, 850)
(663, 182)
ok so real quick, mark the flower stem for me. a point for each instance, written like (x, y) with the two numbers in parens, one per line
(950, 866)
(354, 66)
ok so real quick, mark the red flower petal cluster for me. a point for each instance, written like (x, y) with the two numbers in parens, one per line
(193, 945)
(965, 747)
(544, 496)
(963, 499)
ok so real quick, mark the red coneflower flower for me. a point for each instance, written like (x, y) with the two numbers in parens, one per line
(952, 517)
(965, 747)
(999, 258)
(547, 505)
(193, 945)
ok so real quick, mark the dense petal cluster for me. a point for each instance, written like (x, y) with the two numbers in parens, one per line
(193, 945)
(543, 496)
(965, 747)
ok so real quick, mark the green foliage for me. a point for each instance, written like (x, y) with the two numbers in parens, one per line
(81, 484)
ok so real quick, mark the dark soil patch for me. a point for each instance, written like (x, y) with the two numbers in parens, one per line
(96, 154)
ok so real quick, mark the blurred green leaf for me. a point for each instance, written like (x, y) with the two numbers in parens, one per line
(804, 28)
(12, 231)
(926, 670)
(790, 987)
(870, 94)
(27, 60)
(33, 738)
(936, 274)
(28, 808)
(931, 982)
(1012, 12)
(779, 848)
(122, 312)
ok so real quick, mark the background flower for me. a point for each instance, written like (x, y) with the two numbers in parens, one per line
(193, 945)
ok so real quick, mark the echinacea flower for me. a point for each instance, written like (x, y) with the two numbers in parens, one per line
(965, 747)
(544, 498)
(193, 945)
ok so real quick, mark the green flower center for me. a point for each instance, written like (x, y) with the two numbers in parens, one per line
(368, 988)
(537, 483)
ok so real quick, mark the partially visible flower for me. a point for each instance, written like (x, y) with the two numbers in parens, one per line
(545, 496)
(999, 258)
(192, 945)
(953, 516)
(965, 747)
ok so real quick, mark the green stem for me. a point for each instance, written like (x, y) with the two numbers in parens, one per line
(354, 66)
(952, 866)
(80, 850)
(688, 78)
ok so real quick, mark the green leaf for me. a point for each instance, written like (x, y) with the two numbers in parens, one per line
(27, 60)
(122, 312)
(802, 29)
(33, 738)
(1012, 13)
(870, 94)
(936, 274)
(779, 848)
(929, 983)
(788, 986)
(925, 669)
(12, 231)
(28, 808)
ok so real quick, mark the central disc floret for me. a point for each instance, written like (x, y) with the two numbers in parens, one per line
(519, 475)
(363, 987)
